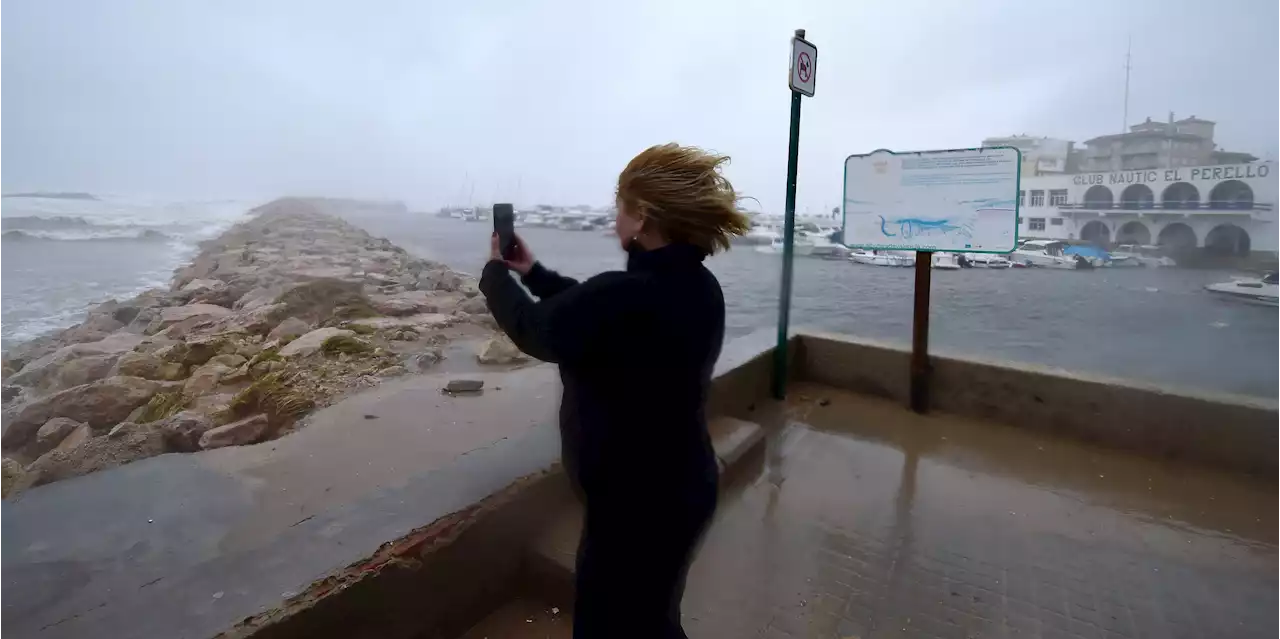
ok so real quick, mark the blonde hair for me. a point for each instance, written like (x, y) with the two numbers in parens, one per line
(682, 190)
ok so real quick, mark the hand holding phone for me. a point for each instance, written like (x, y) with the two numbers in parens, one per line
(504, 221)
(506, 245)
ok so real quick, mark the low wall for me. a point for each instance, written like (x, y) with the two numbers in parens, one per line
(1227, 431)
(445, 576)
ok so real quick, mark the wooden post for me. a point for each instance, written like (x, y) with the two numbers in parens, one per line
(920, 334)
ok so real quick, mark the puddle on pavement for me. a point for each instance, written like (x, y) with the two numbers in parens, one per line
(987, 463)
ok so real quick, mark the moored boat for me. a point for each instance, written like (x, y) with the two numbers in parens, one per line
(1265, 291)
(880, 258)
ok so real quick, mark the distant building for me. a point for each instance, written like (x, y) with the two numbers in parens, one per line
(1226, 209)
(1158, 145)
(1040, 156)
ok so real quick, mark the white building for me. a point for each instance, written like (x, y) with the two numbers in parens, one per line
(1228, 208)
(1040, 156)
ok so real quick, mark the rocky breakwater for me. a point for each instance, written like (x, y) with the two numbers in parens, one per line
(281, 314)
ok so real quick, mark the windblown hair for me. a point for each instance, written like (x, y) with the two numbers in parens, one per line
(681, 189)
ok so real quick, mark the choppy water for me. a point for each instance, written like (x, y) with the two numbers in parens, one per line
(1155, 325)
(62, 256)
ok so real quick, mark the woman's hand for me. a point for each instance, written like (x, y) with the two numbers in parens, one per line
(521, 258)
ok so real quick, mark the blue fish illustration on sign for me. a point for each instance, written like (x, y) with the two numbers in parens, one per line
(910, 227)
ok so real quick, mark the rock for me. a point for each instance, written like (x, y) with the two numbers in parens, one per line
(154, 344)
(439, 280)
(288, 329)
(148, 367)
(82, 371)
(40, 372)
(199, 287)
(393, 371)
(257, 321)
(214, 405)
(499, 350)
(248, 350)
(52, 434)
(76, 437)
(324, 298)
(10, 392)
(199, 351)
(175, 314)
(464, 385)
(423, 361)
(420, 322)
(205, 379)
(94, 328)
(474, 306)
(94, 454)
(404, 335)
(124, 429)
(312, 341)
(397, 306)
(229, 360)
(346, 346)
(245, 431)
(10, 475)
(182, 432)
(236, 376)
(99, 404)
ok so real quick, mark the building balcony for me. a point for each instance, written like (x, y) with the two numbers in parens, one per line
(1186, 208)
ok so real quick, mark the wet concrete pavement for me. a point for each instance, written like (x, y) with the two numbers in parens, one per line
(869, 520)
(866, 520)
(186, 545)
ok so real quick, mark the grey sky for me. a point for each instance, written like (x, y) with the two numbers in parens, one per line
(546, 101)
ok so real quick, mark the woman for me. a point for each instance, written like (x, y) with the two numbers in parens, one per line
(636, 349)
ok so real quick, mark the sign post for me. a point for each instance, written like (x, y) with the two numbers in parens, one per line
(962, 200)
(804, 71)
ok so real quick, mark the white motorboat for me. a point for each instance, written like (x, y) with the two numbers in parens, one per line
(880, 258)
(758, 235)
(1140, 255)
(826, 249)
(800, 247)
(943, 261)
(1265, 291)
(1047, 254)
(985, 260)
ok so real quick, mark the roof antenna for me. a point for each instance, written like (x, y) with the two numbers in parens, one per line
(1128, 54)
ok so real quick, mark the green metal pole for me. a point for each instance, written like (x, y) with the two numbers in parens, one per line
(788, 257)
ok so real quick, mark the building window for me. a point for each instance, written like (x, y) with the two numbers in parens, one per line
(1037, 198)
(1055, 221)
(1019, 220)
(1057, 197)
(1022, 198)
(1035, 223)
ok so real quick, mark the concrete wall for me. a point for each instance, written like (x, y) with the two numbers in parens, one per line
(1227, 431)
(446, 575)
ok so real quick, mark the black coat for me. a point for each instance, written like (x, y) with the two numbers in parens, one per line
(636, 351)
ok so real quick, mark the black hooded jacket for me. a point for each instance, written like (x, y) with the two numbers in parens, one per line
(636, 351)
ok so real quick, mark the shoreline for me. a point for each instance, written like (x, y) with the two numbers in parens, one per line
(283, 313)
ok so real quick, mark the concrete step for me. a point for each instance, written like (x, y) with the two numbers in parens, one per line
(550, 557)
(523, 618)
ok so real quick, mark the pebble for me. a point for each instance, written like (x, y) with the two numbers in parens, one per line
(464, 385)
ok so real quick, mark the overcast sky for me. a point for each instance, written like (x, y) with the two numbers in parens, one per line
(546, 101)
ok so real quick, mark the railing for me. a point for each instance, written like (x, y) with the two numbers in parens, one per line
(1167, 206)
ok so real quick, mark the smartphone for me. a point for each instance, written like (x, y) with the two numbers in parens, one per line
(504, 223)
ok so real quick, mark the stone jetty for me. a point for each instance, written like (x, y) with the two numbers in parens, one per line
(283, 313)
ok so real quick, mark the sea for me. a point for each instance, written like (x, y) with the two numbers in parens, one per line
(61, 256)
(1145, 324)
